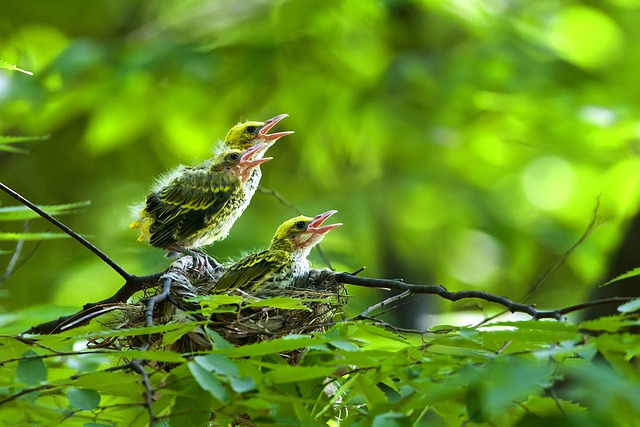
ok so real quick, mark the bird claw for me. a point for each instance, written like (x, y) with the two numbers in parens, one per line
(202, 260)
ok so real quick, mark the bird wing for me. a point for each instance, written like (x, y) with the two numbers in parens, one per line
(184, 207)
(252, 271)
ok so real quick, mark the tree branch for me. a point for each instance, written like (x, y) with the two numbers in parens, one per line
(94, 309)
(84, 242)
(442, 292)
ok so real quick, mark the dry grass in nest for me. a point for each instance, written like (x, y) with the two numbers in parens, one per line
(322, 298)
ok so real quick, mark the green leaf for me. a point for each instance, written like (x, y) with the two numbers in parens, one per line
(32, 236)
(217, 340)
(31, 369)
(242, 384)
(209, 382)
(8, 66)
(83, 398)
(192, 404)
(281, 302)
(286, 343)
(607, 324)
(6, 141)
(391, 419)
(633, 273)
(373, 396)
(18, 213)
(288, 374)
(630, 306)
(217, 363)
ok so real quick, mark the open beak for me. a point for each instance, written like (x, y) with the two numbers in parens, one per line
(316, 227)
(250, 152)
(273, 137)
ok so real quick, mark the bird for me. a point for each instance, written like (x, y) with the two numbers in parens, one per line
(196, 206)
(283, 263)
(248, 134)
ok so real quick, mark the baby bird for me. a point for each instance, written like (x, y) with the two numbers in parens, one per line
(283, 262)
(196, 206)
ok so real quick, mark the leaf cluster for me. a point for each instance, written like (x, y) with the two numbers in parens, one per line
(353, 374)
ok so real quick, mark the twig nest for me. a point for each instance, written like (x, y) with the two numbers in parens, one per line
(236, 316)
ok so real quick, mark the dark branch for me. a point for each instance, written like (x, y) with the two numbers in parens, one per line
(442, 292)
(84, 242)
(94, 309)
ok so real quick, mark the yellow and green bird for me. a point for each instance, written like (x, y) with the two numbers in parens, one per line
(248, 134)
(196, 206)
(284, 262)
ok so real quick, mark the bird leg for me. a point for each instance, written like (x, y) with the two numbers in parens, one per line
(200, 258)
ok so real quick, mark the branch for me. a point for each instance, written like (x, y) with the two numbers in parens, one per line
(84, 242)
(442, 292)
(16, 255)
(94, 309)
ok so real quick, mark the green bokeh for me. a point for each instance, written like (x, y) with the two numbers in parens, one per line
(463, 143)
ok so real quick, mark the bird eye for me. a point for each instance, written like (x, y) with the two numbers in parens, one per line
(251, 129)
(301, 225)
(234, 157)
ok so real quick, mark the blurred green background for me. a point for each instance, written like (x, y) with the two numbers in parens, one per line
(463, 143)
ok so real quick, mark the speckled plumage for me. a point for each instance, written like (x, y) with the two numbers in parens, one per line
(195, 206)
(199, 205)
(284, 262)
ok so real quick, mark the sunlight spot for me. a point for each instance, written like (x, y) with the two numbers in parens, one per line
(4, 85)
(548, 182)
(476, 258)
(599, 116)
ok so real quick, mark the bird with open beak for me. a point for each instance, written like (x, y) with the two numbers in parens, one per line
(196, 206)
(283, 263)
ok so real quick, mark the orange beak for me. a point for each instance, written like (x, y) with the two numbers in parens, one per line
(316, 227)
(268, 124)
(246, 161)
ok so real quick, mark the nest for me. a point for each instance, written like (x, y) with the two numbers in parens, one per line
(178, 300)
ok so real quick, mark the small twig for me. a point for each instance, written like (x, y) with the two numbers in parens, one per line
(382, 304)
(16, 255)
(297, 210)
(137, 366)
(93, 309)
(590, 227)
(84, 242)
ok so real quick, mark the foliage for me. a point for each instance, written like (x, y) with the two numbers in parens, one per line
(463, 143)
(354, 374)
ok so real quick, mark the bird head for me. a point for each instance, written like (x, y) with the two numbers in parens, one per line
(298, 235)
(241, 162)
(248, 134)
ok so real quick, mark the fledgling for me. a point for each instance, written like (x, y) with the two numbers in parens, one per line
(283, 262)
(196, 206)
(248, 134)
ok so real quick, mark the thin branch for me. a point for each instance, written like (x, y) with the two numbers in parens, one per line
(16, 255)
(161, 297)
(84, 242)
(590, 227)
(94, 309)
(382, 304)
(297, 210)
(442, 292)
(137, 366)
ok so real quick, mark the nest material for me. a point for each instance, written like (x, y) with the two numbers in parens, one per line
(240, 325)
